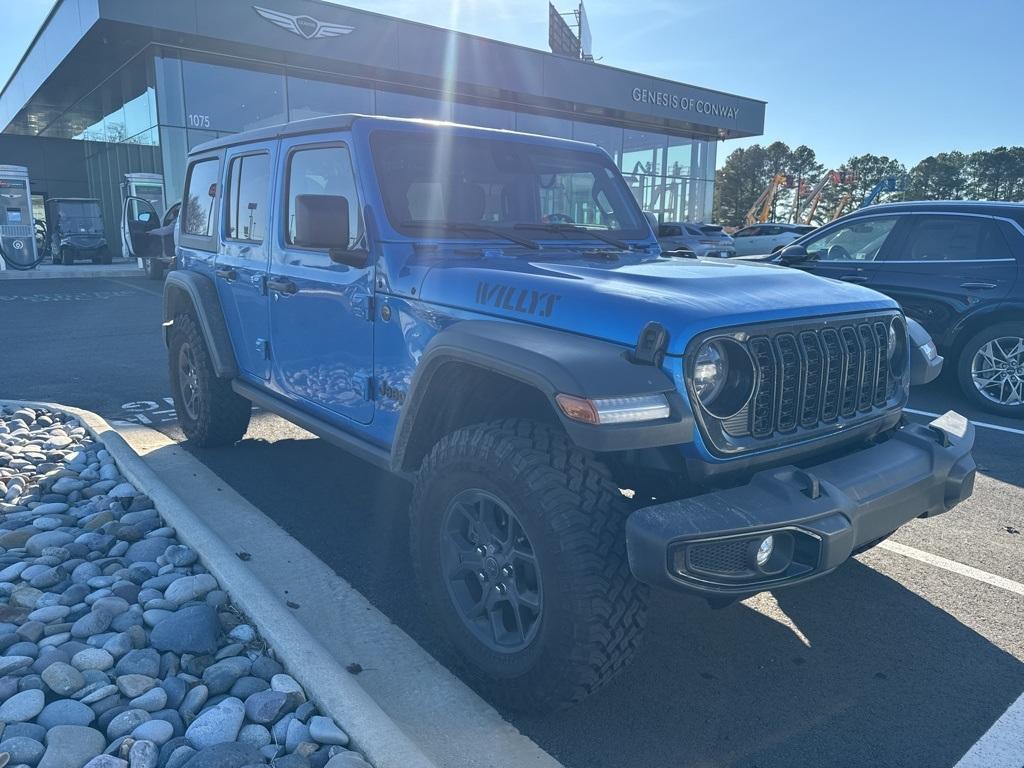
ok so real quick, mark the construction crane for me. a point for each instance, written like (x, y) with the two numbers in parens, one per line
(844, 201)
(762, 207)
(814, 199)
(888, 184)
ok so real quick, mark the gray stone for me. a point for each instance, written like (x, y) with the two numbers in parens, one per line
(152, 700)
(63, 679)
(142, 661)
(192, 629)
(264, 707)
(66, 485)
(179, 756)
(122, 491)
(148, 550)
(297, 733)
(93, 623)
(9, 664)
(71, 745)
(28, 730)
(217, 724)
(347, 760)
(22, 750)
(134, 685)
(92, 658)
(225, 756)
(22, 707)
(50, 508)
(180, 556)
(106, 761)
(47, 523)
(99, 694)
(155, 730)
(40, 541)
(65, 712)
(143, 754)
(324, 730)
(49, 613)
(189, 588)
(126, 722)
(219, 677)
(194, 701)
(255, 735)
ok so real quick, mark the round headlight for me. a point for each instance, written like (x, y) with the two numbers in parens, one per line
(710, 372)
(722, 377)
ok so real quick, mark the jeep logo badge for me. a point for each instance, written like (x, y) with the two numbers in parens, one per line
(304, 26)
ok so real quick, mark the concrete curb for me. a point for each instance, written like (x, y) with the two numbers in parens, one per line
(72, 272)
(333, 689)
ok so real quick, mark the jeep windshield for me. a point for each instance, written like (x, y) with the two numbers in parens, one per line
(441, 184)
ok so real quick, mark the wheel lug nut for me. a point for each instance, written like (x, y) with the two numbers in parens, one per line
(507, 570)
(481, 550)
(501, 589)
(482, 576)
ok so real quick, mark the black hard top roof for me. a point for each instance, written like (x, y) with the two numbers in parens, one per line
(344, 122)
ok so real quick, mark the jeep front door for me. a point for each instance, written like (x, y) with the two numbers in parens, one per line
(321, 314)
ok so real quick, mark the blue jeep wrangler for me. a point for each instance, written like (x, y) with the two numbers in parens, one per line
(489, 315)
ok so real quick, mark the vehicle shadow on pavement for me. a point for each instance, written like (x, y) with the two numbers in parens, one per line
(884, 678)
(852, 669)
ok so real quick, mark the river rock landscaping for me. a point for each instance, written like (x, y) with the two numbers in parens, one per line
(117, 648)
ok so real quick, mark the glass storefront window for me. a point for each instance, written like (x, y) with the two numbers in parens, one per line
(544, 125)
(392, 104)
(485, 117)
(231, 99)
(314, 98)
(608, 137)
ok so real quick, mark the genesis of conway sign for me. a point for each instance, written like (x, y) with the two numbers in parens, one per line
(683, 103)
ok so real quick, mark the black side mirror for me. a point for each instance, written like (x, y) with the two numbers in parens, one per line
(793, 254)
(321, 222)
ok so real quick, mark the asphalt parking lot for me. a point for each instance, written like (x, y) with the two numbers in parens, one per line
(897, 659)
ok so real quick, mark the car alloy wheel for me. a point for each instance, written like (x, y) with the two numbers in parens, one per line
(188, 379)
(491, 572)
(997, 370)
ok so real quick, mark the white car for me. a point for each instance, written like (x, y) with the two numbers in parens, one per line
(767, 238)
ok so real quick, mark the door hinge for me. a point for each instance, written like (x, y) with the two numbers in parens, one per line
(263, 348)
(370, 304)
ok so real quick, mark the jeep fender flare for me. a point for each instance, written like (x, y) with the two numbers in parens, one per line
(196, 293)
(551, 362)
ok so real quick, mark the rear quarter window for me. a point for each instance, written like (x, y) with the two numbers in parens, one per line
(199, 207)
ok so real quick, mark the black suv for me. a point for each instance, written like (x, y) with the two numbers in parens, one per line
(953, 266)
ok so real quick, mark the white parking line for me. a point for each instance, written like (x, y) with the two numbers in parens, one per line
(1002, 746)
(951, 565)
(984, 424)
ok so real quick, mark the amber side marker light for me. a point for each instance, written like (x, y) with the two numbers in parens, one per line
(614, 410)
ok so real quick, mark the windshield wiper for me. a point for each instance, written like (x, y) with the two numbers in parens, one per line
(621, 244)
(464, 227)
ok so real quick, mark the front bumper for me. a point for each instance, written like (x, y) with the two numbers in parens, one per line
(818, 516)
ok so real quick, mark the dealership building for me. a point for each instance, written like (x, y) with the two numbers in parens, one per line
(112, 92)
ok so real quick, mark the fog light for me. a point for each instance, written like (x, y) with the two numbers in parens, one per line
(764, 551)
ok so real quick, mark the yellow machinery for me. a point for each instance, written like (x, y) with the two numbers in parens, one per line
(762, 207)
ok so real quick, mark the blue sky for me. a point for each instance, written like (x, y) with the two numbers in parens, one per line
(906, 78)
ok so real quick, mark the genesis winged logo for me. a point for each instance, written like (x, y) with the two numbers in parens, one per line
(304, 26)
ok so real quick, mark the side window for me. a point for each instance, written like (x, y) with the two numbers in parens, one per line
(772, 231)
(859, 240)
(669, 230)
(748, 232)
(325, 170)
(200, 196)
(248, 184)
(954, 238)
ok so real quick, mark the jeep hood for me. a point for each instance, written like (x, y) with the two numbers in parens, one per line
(613, 300)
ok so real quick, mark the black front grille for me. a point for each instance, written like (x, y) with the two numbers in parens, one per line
(818, 375)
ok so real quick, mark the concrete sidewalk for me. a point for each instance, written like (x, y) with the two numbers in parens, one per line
(48, 271)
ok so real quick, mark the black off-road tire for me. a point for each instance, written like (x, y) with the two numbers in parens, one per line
(219, 416)
(966, 357)
(593, 611)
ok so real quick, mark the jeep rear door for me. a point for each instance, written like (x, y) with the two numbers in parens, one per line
(321, 316)
(241, 266)
(945, 266)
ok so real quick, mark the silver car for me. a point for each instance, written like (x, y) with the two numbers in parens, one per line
(767, 238)
(698, 239)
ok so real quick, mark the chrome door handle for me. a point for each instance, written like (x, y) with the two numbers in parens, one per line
(978, 286)
(854, 278)
(282, 286)
(226, 273)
